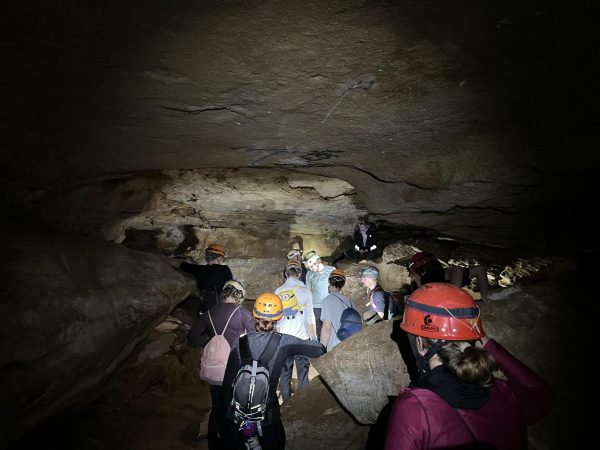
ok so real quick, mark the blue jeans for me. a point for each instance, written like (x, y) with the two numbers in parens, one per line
(285, 380)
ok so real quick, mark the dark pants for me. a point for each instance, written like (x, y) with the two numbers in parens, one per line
(354, 254)
(317, 312)
(273, 437)
(215, 417)
(285, 380)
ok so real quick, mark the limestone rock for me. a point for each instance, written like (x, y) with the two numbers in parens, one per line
(364, 370)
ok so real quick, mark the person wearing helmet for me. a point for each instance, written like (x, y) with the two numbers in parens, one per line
(317, 280)
(296, 255)
(366, 243)
(298, 320)
(268, 311)
(424, 268)
(333, 307)
(228, 315)
(369, 278)
(211, 277)
(457, 402)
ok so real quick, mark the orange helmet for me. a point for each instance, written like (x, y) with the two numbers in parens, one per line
(293, 263)
(268, 306)
(339, 273)
(419, 260)
(442, 311)
(216, 249)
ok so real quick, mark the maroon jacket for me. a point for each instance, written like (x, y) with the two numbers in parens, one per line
(421, 419)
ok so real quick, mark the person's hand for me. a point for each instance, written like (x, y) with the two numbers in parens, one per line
(482, 341)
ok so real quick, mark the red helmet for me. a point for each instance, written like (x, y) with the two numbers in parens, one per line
(419, 260)
(442, 311)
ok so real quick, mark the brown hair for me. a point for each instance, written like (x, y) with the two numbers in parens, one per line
(469, 363)
(289, 270)
(337, 282)
(264, 326)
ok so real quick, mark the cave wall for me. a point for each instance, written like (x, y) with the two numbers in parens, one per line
(72, 310)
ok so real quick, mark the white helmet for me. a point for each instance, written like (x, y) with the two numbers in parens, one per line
(311, 258)
(293, 253)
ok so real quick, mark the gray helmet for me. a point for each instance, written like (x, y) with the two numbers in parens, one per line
(370, 272)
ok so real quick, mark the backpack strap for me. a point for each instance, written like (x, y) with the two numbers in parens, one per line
(225, 328)
(228, 320)
(245, 354)
(340, 299)
(270, 349)
(267, 353)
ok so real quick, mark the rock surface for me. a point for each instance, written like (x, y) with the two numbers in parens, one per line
(364, 371)
(71, 310)
(467, 120)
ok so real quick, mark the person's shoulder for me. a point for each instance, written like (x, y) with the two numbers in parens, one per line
(412, 397)
(345, 297)
(301, 286)
(379, 291)
(222, 308)
(329, 298)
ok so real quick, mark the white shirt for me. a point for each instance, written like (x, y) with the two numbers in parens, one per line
(297, 325)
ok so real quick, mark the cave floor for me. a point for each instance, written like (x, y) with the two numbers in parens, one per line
(155, 405)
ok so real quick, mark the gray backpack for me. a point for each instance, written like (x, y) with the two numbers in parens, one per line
(251, 385)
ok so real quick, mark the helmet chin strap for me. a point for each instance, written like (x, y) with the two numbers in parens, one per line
(423, 360)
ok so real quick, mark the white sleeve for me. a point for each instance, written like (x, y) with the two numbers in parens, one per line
(308, 307)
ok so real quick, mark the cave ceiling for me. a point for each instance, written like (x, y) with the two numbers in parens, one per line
(465, 118)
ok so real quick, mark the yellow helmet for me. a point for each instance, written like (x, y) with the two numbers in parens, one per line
(216, 249)
(268, 306)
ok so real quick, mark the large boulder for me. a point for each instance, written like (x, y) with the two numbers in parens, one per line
(365, 370)
(71, 310)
